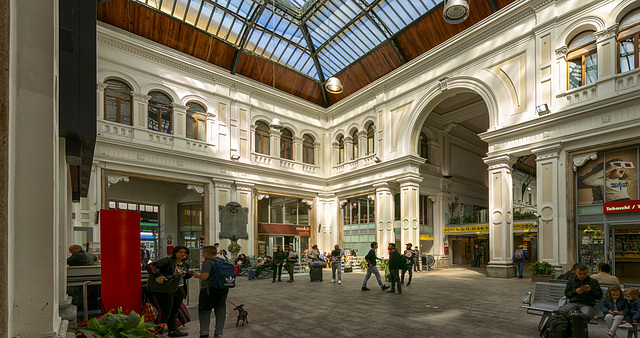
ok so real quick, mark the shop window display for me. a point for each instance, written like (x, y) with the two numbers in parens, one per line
(591, 245)
(358, 223)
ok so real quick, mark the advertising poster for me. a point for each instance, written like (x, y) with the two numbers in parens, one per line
(612, 177)
(590, 183)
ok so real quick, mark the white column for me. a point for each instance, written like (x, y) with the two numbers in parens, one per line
(335, 150)
(409, 208)
(501, 217)
(362, 143)
(179, 120)
(550, 238)
(140, 109)
(274, 143)
(297, 149)
(384, 217)
(348, 148)
(606, 44)
(327, 215)
(100, 100)
(211, 128)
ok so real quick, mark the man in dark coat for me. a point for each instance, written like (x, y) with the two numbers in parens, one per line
(582, 293)
(395, 265)
(78, 256)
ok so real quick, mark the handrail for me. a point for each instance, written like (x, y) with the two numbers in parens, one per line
(85, 300)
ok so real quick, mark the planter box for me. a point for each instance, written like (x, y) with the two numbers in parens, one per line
(541, 278)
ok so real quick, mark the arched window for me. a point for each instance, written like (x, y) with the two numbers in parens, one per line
(582, 60)
(423, 149)
(370, 139)
(307, 149)
(354, 137)
(262, 138)
(628, 41)
(196, 122)
(117, 102)
(286, 144)
(160, 113)
(341, 149)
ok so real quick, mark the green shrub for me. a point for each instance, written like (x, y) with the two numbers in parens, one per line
(117, 325)
(542, 268)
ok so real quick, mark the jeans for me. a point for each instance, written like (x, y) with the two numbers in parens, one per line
(290, 266)
(520, 268)
(215, 299)
(277, 269)
(372, 270)
(168, 305)
(395, 279)
(336, 266)
(613, 321)
(407, 268)
(586, 310)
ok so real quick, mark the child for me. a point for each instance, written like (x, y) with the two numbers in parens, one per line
(615, 307)
(633, 315)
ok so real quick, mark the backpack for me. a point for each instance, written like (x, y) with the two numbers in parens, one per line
(519, 255)
(223, 275)
(556, 327)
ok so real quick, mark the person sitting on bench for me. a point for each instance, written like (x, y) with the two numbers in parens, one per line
(582, 293)
(267, 264)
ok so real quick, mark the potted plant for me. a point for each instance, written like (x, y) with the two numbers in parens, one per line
(364, 265)
(117, 325)
(541, 271)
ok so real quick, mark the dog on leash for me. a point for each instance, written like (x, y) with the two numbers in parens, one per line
(242, 315)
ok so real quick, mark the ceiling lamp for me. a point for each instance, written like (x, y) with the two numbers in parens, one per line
(455, 11)
(276, 124)
(333, 85)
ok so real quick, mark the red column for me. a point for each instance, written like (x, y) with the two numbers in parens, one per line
(120, 257)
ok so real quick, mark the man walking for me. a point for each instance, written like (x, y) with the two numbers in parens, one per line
(519, 257)
(394, 267)
(210, 297)
(408, 257)
(477, 254)
(372, 269)
(292, 258)
(145, 256)
(336, 264)
(417, 260)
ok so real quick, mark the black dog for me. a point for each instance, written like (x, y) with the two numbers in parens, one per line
(242, 315)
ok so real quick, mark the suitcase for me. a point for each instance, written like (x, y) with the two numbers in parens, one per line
(316, 274)
(318, 264)
(473, 262)
(579, 326)
(252, 273)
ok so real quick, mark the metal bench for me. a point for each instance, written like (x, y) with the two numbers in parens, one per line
(627, 285)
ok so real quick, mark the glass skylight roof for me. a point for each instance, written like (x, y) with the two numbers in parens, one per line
(316, 38)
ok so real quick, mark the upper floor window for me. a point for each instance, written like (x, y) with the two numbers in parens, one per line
(307, 149)
(262, 138)
(160, 113)
(354, 137)
(286, 144)
(196, 122)
(628, 41)
(424, 146)
(582, 60)
(341, 149)
(117, 102)
(370, 140)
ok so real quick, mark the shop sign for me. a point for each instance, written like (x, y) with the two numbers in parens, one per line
(525, 227)
(474, 228)
(284, 229)
(621, 206)
(426, 238)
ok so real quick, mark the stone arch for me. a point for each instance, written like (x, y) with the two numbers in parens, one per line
(199, 100)
(163, 89)
(587, 23)
(623, 8)
(114, 75)
(260, 117)
(368, 121)
(351, 128)
(421, 110)
(312, 133)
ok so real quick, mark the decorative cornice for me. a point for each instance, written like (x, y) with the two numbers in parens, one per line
(606, 33)
(262, 196)
(113, 179)
(433, 198)
(561, 52)
(581, 159)
(140, 96)
(547, 152)
(179, 108)
(101, 86)
(343, 203)
(499, 162)
(413, 182)
(197, 188)
(308, 202)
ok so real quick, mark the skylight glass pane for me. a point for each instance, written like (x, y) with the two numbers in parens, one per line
(167, 6)
(236, 29)
(225, 27)
(262, 42)
(308, 66)
(205, 14)
(216, 20)
(180, 9)
(192, 12)
(288, 53)
(368, 33)
(252, 41)
(247, 8)
(382, 12)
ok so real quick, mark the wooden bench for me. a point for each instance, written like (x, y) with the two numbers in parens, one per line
(547, 299)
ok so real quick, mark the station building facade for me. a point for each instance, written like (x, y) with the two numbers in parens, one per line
(436, 140)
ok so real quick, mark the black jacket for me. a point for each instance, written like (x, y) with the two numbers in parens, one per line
(279, 256)
(394, 260)
(166, 267)
(79, 258)
(586, 298)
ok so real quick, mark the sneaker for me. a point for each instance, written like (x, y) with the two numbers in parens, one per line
(610, 333)
(279, 280)
(391, 291)
(339, 281)
(408, 284)
(333, 281)
(364, 288)
(177, 333)
(290, 281)
(384, 287)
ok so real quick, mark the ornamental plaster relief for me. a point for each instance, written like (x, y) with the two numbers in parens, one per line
(512, 73)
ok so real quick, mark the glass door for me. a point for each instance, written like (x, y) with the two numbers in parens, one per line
(626, 257)
(190, 229)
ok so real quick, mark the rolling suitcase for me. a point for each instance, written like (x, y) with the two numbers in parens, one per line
(316, 274)
(579, 326)
(473, 263)
(252, 273)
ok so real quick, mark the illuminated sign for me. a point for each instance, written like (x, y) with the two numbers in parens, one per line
(474, 228)
(621, 206)
(525, 227)
(284, 229)
(426, 238)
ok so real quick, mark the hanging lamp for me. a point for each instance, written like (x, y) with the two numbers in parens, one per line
(455, 11)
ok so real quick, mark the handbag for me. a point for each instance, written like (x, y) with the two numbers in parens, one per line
(149, 312)
(169, 286)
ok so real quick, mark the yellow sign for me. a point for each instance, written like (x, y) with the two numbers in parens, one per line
(474, 228)
(426, 238)
(525, 227)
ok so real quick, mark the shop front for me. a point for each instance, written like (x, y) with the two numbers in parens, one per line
(462, 239)
(608, 213)
(271, 236)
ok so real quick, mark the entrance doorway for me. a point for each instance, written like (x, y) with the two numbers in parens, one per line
(625, 246)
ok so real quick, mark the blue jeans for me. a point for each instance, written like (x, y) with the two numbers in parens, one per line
(372, 270)
(520, 268)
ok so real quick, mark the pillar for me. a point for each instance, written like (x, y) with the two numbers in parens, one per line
(606, 45)
(550, 238)
(348, 148)
(409, 209)
(501, 217)
(179, 120)
(384, 217)
(327, 219)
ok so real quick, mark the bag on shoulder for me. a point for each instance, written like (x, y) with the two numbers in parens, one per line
(168, 286)
(519, 255)
(223, 276)
(556, 327)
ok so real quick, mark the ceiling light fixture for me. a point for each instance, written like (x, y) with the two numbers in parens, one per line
(455, 11)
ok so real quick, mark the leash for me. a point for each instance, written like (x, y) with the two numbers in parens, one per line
(231, 302)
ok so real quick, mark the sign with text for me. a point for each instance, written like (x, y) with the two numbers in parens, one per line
(284, 229)
(525, 226)
(426, 238)
(473, 228)
(621, 206)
